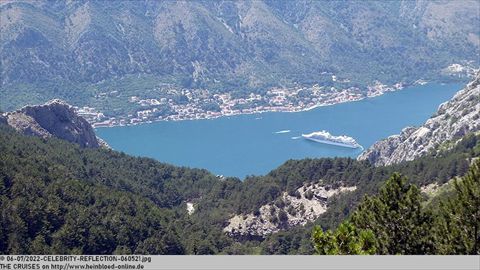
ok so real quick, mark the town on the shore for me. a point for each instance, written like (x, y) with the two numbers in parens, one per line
(194, 104)
(202, 104)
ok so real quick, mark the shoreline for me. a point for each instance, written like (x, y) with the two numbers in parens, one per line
(371, 94)
(96, 125)
(186, 143)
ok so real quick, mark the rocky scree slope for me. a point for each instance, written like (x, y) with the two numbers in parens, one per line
(54, 118)
(453, 120)
(308, 203)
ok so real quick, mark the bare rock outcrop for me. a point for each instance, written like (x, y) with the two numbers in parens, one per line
(55, 118)
(310, 201)
(453, 120)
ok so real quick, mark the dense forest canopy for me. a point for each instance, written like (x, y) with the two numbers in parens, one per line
(56, 197)
(396, 222)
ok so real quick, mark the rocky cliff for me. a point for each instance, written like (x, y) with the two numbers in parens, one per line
(453, 120)
(55, 118)
(287, 211)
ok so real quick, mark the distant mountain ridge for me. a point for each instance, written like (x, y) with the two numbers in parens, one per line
(49, 48)
(453, 120)
(55, 118)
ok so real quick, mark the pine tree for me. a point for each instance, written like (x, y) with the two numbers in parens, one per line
(346, 240)
(457, 229)
(396, 218)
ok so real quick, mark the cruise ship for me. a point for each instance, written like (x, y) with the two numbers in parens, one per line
(327, 138)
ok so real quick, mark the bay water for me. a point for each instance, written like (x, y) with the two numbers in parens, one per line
(255, 144)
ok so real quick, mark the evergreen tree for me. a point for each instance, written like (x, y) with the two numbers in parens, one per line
(346, 240)
(58, 198)
(396, 218)
(457, 229)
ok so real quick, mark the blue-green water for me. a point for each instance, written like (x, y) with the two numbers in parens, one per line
(248, 144)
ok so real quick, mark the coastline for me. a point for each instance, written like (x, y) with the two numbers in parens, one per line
(185, 143)
(373, 91)
(296, 110)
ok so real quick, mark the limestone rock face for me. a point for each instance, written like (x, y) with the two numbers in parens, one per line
(453, 120)
(311, 202)
(55, 118)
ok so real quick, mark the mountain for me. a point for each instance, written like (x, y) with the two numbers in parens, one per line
(63, 192)
(99, 201)
(57, 197)
(55, 118)
(85, 51)
(453, 120)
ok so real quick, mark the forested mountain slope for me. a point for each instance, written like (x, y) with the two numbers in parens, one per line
(59, 198)
(397, 221)
(77, 50)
